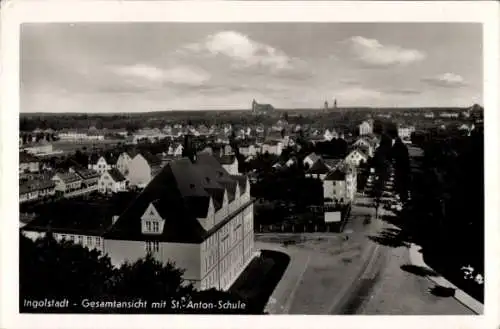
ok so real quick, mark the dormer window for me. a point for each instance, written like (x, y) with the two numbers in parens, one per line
(152, 222)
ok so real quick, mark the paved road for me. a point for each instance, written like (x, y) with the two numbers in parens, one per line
(328, 275)
(384, 288)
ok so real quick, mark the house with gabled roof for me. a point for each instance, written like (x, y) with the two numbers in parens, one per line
(318, 170)
(340, 185)
(102, 163)
(67, 182)
(193, 213)
(89, 177)
(356, 157)
(310, 159)
(112, 181)
(28, 163)
(143, 168)
(229, 163)
(35, 189)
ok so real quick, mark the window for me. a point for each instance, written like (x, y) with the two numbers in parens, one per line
(80, 239)
(98, 241)
(148, 226)
(156, 227)
(152, 246)
(89, 240)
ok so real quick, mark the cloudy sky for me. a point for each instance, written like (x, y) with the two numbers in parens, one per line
(134, 67)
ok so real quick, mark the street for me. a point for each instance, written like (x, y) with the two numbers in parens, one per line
(330, 275)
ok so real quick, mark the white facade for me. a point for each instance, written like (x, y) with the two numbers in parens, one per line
(122, 163)
(365, 128)
(101, 166)
(405, 132)
(140, 173)
(355, 158)
(214, 263)
(272, 148)
(88, 241)
(107, 184)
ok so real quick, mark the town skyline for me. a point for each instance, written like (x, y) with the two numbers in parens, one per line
(162, 67)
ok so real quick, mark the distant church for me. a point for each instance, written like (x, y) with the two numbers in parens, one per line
(261, 108)
(327, 108)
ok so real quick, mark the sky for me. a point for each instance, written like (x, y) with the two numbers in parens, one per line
(139, 67)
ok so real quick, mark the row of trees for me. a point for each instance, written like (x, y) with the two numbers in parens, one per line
(55, 270)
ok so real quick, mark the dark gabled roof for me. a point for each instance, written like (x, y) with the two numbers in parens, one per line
(69, 177)
(86, 173)
(360, 152)
(319, 167)
(35, 185)
(132, 153)
(336, 175)
(152, 159)
(93, 158)
(25, 157)
(116, 175)
(79, 216)
(226, 159)
(181, 193)
(110, 158)
(333, 163)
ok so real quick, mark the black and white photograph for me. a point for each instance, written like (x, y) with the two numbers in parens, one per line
(251, 168)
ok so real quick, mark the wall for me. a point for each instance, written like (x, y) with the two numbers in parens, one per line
(139, 171)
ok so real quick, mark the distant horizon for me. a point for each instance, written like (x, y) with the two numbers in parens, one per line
(331, 110)
(135, 67)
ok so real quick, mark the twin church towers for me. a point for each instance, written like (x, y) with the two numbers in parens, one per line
(326, 106)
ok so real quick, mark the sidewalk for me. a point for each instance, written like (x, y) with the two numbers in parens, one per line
(416, 258)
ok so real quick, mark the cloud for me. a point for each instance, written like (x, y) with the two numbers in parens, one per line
(244, 51)
(357, 94)
(448, 80)
(404, 91)
(179, 75)
(372, 53)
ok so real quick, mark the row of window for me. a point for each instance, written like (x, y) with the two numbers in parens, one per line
(152, 226)
(152, 247)
(80, 239)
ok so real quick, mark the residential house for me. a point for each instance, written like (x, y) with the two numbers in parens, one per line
(102, 163)
(366, 145)
(404, 132)
(112, 181)
(429, 115)
(310, 159)
(449, 114)
(228, 150)
(366, 128)
(32, 190)
(41, 148)
(143, 168)
(229, 163)
(194, 214)
(319, 170)
(28, 163)
(329, 135)
(272, 147)
(247, 150)
(67, 183)
(89, 177)
(175, 149)
(340, 185)
(72, 134)
(356, 157)
(124, 160)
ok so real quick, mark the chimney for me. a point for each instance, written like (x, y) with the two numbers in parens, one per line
(188, 150)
